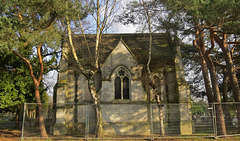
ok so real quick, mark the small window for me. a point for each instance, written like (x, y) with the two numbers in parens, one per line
(121, 85)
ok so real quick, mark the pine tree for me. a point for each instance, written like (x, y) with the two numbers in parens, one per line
(28, 30)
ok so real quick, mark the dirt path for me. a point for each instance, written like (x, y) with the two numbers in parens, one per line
(15, 135)
(9, 135)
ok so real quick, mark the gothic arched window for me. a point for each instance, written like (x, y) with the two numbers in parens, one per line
(121, 85)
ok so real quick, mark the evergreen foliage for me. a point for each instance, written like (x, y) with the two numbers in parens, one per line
(16, 85)
(28, 30)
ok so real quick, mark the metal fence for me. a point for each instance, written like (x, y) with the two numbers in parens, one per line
(132, 121)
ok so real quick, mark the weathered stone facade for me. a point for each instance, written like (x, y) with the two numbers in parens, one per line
(123, 87)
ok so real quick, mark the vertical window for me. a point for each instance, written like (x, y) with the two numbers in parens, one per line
(121, 85)
(125, 88)
(117, 88)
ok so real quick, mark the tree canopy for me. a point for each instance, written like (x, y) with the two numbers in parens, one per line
(29, 30)
(16, 85)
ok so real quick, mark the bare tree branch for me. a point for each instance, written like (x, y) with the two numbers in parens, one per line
(80, 23)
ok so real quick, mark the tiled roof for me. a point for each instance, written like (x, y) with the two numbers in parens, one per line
(138, 43)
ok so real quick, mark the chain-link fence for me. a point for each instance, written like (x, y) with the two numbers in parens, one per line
(132, 121)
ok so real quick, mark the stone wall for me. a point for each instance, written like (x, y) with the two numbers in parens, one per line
(120, 56)
(126, 119)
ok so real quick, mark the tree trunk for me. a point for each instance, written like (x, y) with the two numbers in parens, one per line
(207, 82)
(90, 76)
(225, 85)
(221, 129)
(199, 43)
(231, 72)
(36, 85)
(40, 112)
(99, 130)
(97, 36)
(226, 111)
(98, 109)
(233, 80)
(150, 79)
(160, 112)
(230, 69)
(205, 73)
(17, 116)
(206, 79)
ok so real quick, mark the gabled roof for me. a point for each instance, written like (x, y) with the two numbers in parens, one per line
(137, 43)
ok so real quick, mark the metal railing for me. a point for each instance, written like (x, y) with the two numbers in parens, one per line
(132, 121)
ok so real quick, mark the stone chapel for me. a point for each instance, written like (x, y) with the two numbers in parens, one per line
(122, 86)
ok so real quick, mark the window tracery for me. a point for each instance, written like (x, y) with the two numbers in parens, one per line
(121, 84)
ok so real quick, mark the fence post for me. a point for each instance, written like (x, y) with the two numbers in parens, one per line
(193, 123)
(151, 121)
(86, 121)
(24, 111)
(214, 119)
